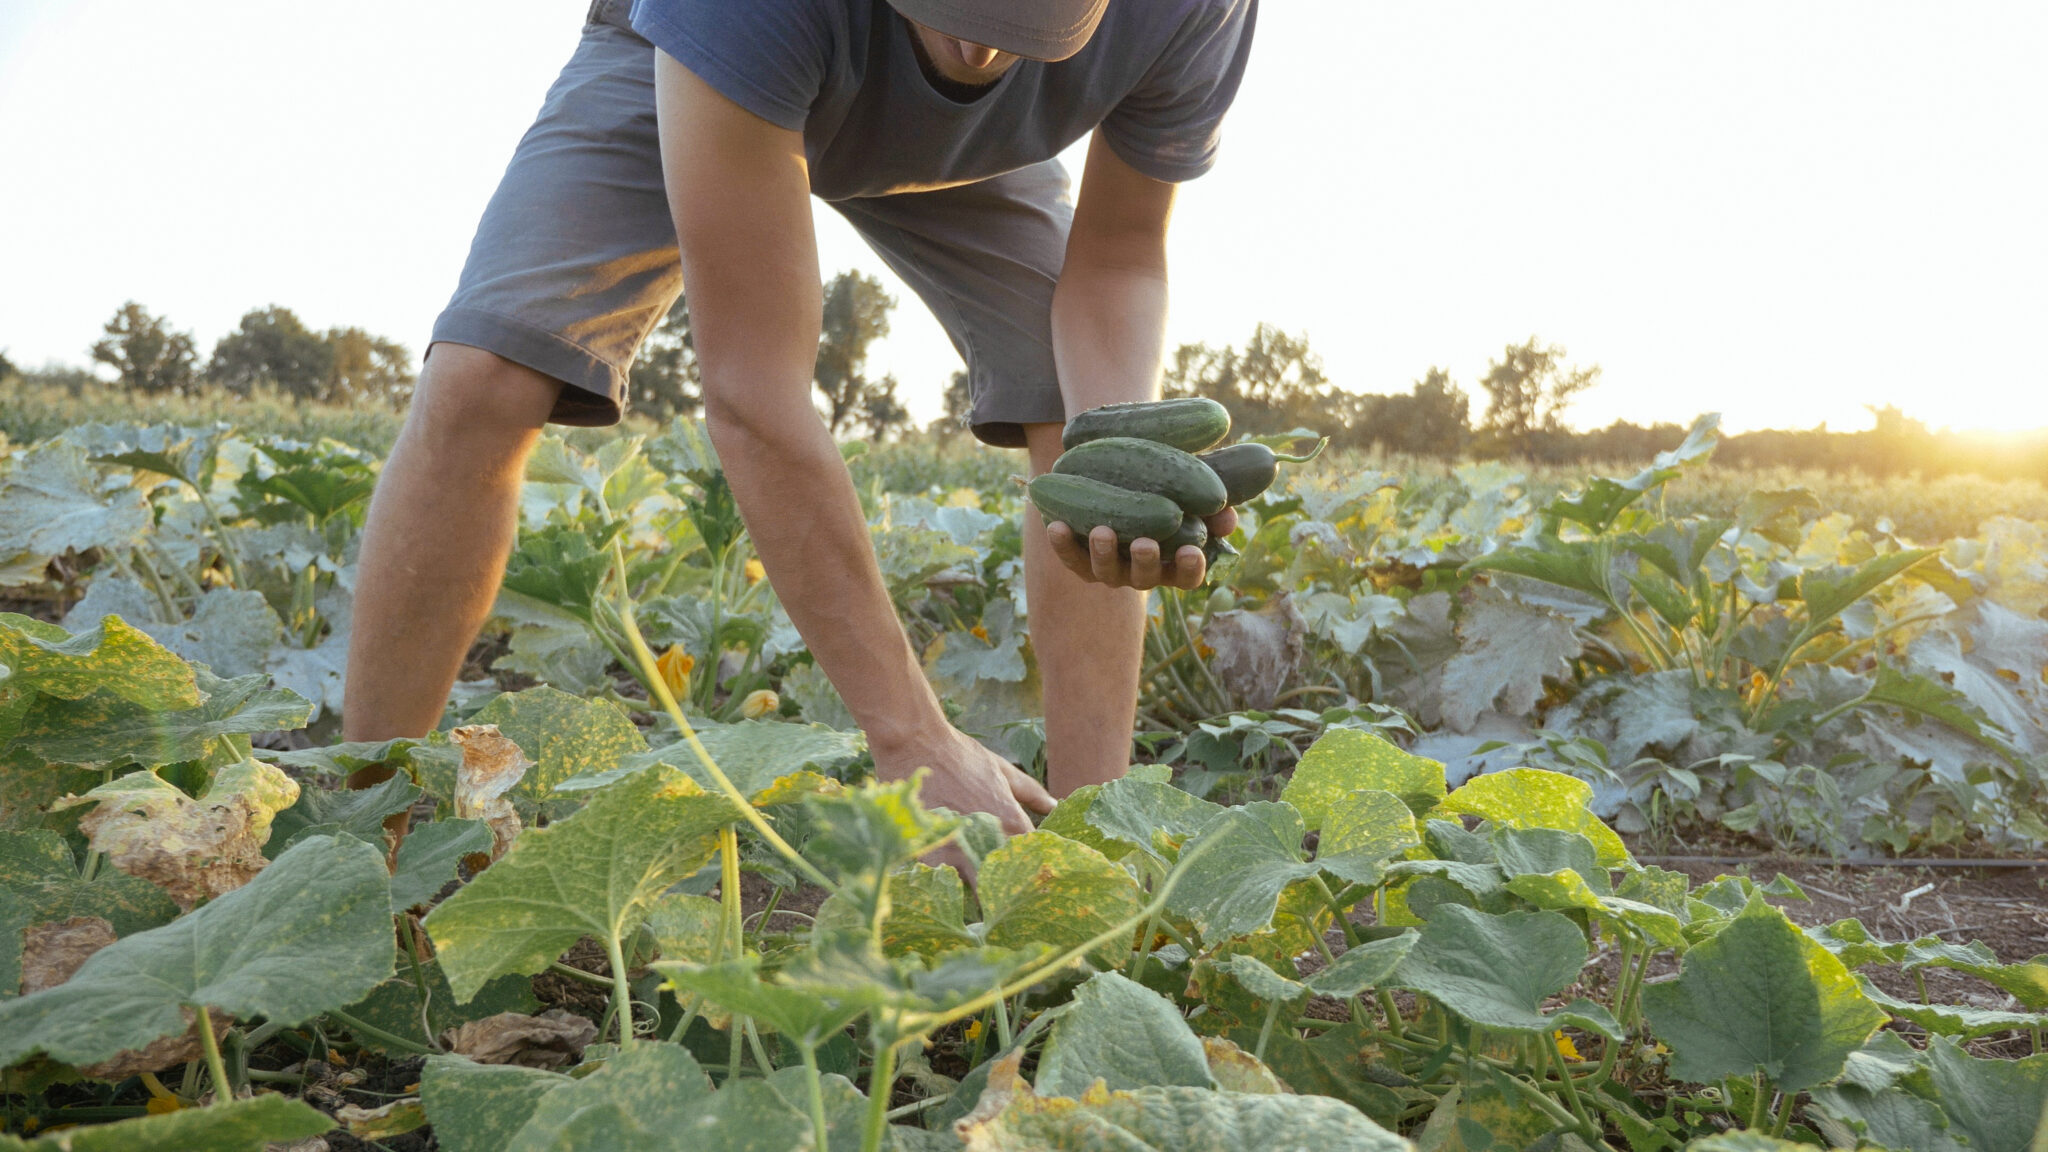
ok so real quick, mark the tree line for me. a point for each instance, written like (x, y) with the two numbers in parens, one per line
(1274, 383)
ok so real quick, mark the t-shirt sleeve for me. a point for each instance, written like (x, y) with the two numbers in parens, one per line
(767, 56)
(1169, 126)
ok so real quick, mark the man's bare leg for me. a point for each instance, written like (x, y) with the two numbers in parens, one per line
(441, 525)
(1090, 641)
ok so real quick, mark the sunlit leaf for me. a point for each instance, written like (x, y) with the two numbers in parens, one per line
(1040, 888)
(1533, 798)
(1124, 1034)
(1345, 760)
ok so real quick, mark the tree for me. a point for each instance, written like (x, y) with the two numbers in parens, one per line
(1433, 419)
(1276, 384)
(272, 348)
(1527, 392)
(959, 400)
(7, 368)
(363, 367)
(856, 315)
(666, 380)
(145, 354)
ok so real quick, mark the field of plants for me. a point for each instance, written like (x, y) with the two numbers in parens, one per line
(1382, 874)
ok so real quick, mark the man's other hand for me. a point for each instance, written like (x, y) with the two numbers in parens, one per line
(966, 777)
(1097, 560)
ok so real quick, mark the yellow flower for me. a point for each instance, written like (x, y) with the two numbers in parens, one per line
(674, 666)
(981, 631)
(759, 703)
(1565, 1047)
(974, 1029)
(755, 572)
(160, 1105)
(964, 498)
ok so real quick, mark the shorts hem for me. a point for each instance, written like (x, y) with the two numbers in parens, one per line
(999, 419)
(594, 387)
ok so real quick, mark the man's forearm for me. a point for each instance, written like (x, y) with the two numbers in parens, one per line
(799, 504)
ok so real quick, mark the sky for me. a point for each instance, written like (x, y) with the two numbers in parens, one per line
(1785, 212)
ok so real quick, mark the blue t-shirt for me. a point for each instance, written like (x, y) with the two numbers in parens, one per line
(1157, 77)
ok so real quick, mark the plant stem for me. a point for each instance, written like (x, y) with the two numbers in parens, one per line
(1759, 1105)
(879, 1083)
(729, 891)
(419, 979)
(815, 1088)
(223, 1091)
(622, 991)
(372, 1032)
(755, 1046)
(1002, 1011)
(1571, 1091)
(1266, 1030)
(1144, 950)
(579, 974)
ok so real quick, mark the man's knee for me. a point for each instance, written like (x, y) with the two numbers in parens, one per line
(468, 394)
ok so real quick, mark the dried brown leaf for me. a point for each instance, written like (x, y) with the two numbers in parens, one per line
(491, 765)
(549, 1040)
(1256, 653)
(193, 849)
(51, 952)
(393, 1119)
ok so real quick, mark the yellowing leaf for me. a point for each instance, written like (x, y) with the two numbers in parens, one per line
(1533, 798)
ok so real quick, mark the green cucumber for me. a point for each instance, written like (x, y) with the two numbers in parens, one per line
(1145, 466)
(1191, 423)
(1250, 468)
(1083, 504)
(1193, 531)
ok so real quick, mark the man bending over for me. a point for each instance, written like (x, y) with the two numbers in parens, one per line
(681, 146)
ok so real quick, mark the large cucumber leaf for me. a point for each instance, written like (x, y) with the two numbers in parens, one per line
(1344, 760)
(594, 873)
(312, 932)
(1496, 971)
(1123, 1034)
(1761, 995)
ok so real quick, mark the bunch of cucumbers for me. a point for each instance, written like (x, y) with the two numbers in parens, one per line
(1147, 471)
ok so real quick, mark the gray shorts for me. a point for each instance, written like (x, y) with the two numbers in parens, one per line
(575, 261)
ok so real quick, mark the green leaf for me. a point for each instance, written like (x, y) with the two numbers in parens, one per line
(563, 735)
(1496, 971)
(52, 502)
(310, 933)
(40, 884)
(593, 873)
(864, 834)
(1259, 979)
(1761, 995)
(1247, 855)
(562, 565)
(1957, 1020)
(1364, 828)
(1345, 760)
(927, 913)
(655, 1097)
(1147, 815)
(402, 754)
(1121, 1033)
(1175, 1119)
(111, 656)
(428, 857)
(104, 730)
(1998, 1103)
(1889, 1118)
(1533, 798)
(250, 1125)
(231, 630)
(753, 754)
(1827, 591)
(1366, 966)
(2027, 981)
(1342, 1064)
(801, 1013)
(1040, 888)
(1581, 565)
(480, 1107)
(1745, 1141)
(180, 452)
(394, 1005)
(357, 812)
(1930, 698)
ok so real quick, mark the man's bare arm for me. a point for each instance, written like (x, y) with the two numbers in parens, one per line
(1109, 334)
(740, 192)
